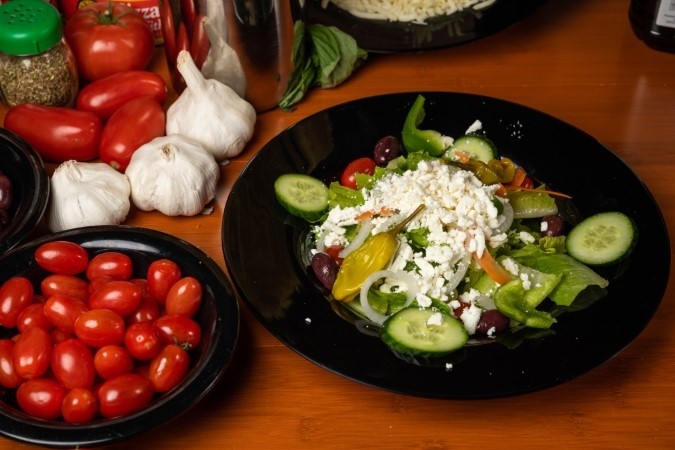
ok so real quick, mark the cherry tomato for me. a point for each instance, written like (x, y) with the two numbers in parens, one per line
(334, 252)
(63, 134)
(108, 38)
(179, 330)
(123, 297)
(99, 327)
(124, 394)
(41, 398)
(185, 297)
(8, 376)
(199, 41)
(147, 311)
(113, 264)
(79, 406)
(360, 165)
(168, 28)
(527, 183)
(62, 310)
(62, 257)
(134, 124)
(73, 364)
(112, 360)
(98, 282)
(57, 336)
(31, 353)
(15, 294)
(142, 341)
(105, 96)
(33, 316)
(168, 368)
(162, 274)
(69, 285)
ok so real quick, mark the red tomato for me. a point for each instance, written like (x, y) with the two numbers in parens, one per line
(100, 327)
(62, 310)
(107, 38)
(112, 264)
(168, 32)
(134, 124)
(124, 394)
(41, 398)
(15, 294)
(105, 96)
(69, 285)
(185, 297)
(199, 40)
(79, 406)
(360, 165)
(33, 316)
(63, 133)
(527, 183)
(179, 330)
(334, 252)
(98, 282)
(120, 296)
(168, 368)
(59, 336)
(147, 311)
(142, 341)
(8, 376)
(162, 274)
(73, 364)
(112, 360)
(31, 353)
(62, 257)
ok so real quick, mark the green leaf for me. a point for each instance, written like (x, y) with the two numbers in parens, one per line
(342, 196)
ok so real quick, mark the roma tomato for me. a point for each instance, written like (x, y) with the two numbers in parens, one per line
(73, 364)
(180, 330)
(31, 353)
(147, 311)
(112, 264)
(185, 297)
(41, 398)
(79, 406)
(33, 315)
(161, 275)
(62, 134)
(120, 296)
(69, 285)
(124, 394)
(112, 360)
(107, 38)
(62, 257)
(134, 124)
(100, 327)
(142, 341)
(360, 165)
(168, 368)
(105, 96)
(8, 376)
(62, 310)
(15, 294)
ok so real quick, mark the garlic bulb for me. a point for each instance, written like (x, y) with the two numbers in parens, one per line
(210, 112)
(86, 193)
(172, 174)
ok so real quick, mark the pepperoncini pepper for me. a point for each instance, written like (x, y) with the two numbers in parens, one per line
(415, 140)
(373, 255)
(494, 171)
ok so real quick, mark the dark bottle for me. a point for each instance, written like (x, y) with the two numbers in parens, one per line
(653, 21)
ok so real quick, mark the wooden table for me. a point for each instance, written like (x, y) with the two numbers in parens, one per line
(575, 59)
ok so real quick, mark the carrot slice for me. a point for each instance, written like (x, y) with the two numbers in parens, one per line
(492, 267)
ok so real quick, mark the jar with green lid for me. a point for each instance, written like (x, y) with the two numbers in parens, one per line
(36, 64)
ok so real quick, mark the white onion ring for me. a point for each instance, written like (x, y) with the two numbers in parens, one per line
(361, 236)
(409, 280)
(508, 219)
(460, 272)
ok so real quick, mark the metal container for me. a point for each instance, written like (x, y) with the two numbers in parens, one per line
(246, 44)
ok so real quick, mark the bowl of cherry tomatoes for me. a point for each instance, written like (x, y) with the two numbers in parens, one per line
(107, 332)
(24, 190)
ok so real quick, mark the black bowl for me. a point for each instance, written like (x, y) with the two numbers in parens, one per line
(24, 167)
(218, 317)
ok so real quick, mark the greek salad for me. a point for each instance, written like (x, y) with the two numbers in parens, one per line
(437, 240)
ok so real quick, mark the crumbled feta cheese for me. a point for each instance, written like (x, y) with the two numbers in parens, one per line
(526, 237)
(477, 125)
(435, 319)
(423, 300)
(527, 284)
(470, 317)
(544, 226)
(511, 266)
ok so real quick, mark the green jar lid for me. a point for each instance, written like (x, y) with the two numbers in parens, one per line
(29, 27)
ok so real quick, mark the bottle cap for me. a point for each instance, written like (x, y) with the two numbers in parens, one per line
(29, 27)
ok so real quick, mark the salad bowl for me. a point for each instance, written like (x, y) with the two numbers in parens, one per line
(264, 249)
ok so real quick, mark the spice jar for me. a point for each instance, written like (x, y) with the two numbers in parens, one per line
(36, 64)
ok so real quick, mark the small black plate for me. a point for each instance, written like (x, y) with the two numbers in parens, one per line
(439, 32)
(262, 246)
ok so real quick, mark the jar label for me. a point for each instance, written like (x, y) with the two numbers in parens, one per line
(666, 14)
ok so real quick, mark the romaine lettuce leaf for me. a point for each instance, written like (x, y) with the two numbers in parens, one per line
(343, 197)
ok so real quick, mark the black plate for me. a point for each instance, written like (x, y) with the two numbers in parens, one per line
(443, 31)
(218, 316)
(261, 247)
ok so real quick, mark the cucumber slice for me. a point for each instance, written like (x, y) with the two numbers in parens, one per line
(477, 147)
(408, 331)
(601, 239)
(302, 195)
